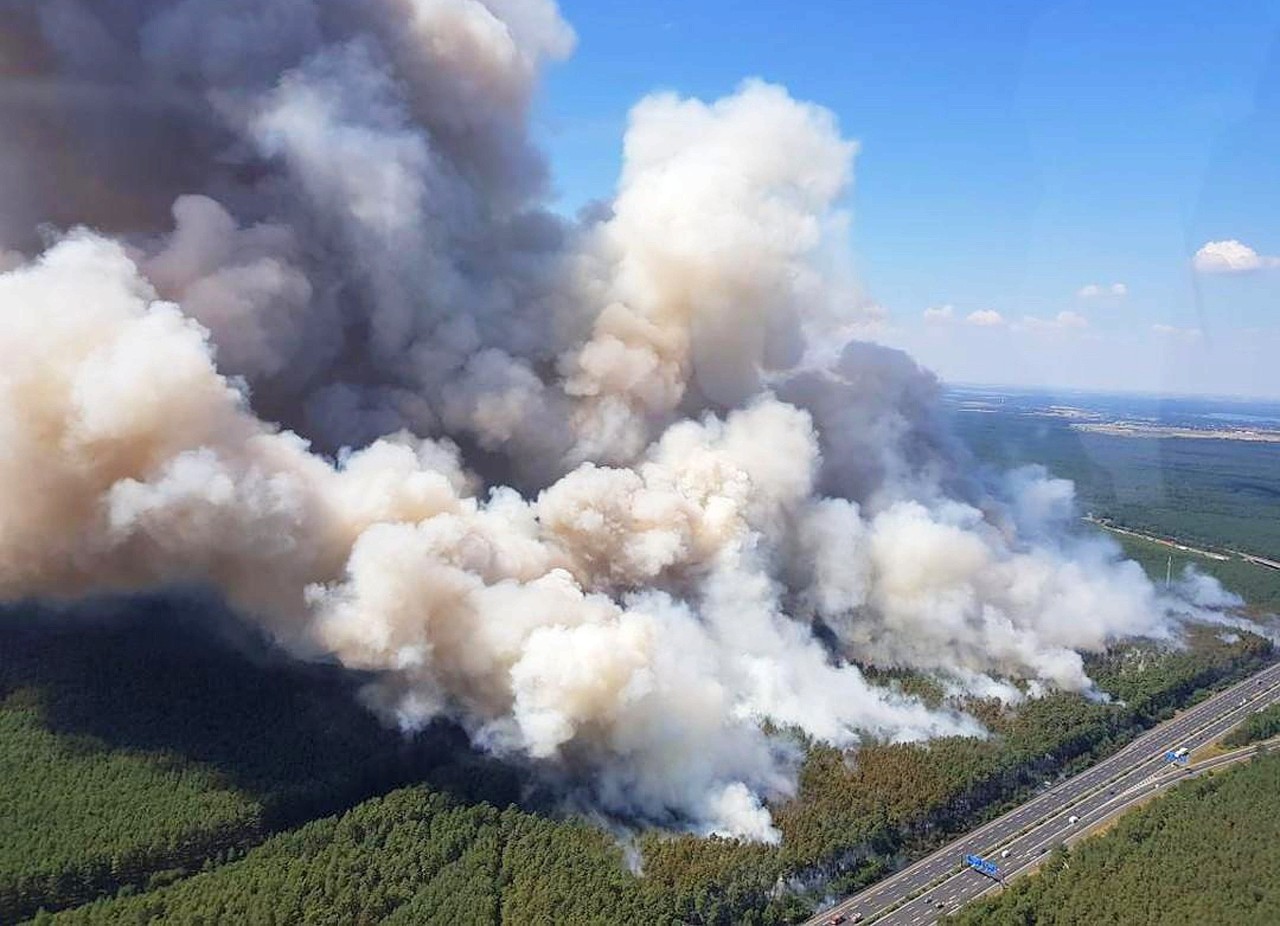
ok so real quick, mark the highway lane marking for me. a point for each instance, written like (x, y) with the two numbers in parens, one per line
(1088, 830)
(1155, 757)
(1073, 833)
(1173, 730)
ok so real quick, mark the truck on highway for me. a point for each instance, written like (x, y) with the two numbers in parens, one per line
(1073, 819)
(1180, 752)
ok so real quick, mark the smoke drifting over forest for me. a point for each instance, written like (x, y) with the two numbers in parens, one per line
(283, 311)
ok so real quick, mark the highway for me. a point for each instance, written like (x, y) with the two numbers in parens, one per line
(1092, 823)
(940, 883)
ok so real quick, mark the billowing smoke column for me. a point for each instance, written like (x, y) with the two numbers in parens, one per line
(309, 336)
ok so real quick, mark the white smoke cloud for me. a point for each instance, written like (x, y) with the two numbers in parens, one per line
(241, 284)
(721, 214)
(603, 482)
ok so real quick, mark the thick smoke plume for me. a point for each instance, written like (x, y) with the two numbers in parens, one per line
(281, 311)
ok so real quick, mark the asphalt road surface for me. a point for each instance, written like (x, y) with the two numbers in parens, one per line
(941, 883)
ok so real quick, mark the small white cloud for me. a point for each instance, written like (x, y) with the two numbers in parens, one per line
(939, 314)
(1098, 290)
(1179, 334)
(984, 318)
(1231, 257)
(1063, 321)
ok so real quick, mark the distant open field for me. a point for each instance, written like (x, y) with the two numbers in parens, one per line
(1258, 585)
(1218, 495)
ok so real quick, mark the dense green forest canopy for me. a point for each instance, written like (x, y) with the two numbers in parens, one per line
(412, 856)
(144, 739)
(1218, 493)
(151, 750)
(1263, 724)
(1206, 853)
(1258, 586)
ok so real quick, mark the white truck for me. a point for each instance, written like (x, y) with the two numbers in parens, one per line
(1073, 819)
(1180, 752)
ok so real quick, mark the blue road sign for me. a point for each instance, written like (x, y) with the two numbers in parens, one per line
(978, 863)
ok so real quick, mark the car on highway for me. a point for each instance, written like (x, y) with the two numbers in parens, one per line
(837, 920)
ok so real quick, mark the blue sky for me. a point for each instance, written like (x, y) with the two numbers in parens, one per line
(1012, 154)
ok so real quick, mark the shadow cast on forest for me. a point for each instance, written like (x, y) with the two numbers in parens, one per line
(177, 673)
